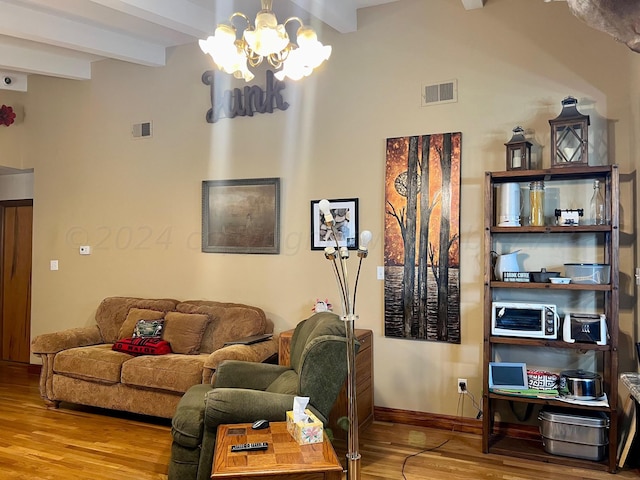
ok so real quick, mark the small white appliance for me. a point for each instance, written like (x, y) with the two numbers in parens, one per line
(523, 319)
(585, 327)
(509, 208)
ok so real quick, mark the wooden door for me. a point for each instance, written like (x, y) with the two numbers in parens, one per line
(15, 280)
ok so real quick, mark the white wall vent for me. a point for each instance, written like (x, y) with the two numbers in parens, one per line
(441, 92)
(142, 130)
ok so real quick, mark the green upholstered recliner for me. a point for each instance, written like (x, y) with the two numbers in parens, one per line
(243, 392)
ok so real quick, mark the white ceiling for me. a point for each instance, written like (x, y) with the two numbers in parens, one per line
(61, 38)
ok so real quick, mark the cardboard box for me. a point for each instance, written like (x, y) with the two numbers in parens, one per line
(305, 432)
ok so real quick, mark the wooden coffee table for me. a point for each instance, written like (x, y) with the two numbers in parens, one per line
(283, 459)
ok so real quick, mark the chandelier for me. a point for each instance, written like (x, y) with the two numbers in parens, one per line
(266, 39)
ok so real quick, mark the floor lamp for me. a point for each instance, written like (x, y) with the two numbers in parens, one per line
(338, 256)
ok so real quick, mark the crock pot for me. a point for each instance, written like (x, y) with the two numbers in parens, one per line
(580, 385)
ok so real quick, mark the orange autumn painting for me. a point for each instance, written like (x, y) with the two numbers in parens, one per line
(422, 237)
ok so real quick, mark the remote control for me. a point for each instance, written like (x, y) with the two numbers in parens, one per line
(244, 447)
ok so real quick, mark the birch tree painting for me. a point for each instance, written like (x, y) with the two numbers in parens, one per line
(422, 233)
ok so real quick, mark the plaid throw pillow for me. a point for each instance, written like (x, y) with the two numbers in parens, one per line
(142, 346)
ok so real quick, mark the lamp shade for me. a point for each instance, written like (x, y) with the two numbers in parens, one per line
(268, 37)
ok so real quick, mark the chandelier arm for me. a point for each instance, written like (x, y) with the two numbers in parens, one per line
(293, 19)
(241, 15)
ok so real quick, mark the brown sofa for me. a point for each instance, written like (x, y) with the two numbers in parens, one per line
(80, 366)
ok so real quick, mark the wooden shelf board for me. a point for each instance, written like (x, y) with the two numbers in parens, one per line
(534, 342)
(533, 450)
(551, 286)
(548, 401)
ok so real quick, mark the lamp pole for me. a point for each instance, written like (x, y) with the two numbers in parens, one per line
(339, 256)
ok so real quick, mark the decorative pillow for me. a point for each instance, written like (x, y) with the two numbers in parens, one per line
(142, 346)
(184, 331)
(135, 314)
(148, 329)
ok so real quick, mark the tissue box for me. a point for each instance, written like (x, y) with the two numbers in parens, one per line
(305, 432)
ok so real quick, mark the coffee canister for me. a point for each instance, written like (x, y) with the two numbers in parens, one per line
(536, 204)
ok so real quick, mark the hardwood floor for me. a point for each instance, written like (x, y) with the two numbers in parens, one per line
(78, 443)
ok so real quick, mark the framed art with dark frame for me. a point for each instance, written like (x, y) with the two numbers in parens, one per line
(241, 216)
(345, 215)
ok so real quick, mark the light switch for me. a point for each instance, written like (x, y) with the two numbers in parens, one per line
(380, 273)
(85, 250)
(54, 265)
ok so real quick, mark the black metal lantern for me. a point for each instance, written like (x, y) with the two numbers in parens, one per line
(518, 151)
(569, 136)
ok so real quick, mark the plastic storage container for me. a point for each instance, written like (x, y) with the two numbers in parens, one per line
(573, 434)
(588, 273)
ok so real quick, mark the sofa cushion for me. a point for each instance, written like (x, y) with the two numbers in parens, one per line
(188, 422)
(113, 311)
(96, 363)
(287, 382)
(142, 346)
(134, 316)
(184, 331)
(229, 321)
(171, 372)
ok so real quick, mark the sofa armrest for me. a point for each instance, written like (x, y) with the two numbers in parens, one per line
(247, 375)
(63, 340)
(257, 352)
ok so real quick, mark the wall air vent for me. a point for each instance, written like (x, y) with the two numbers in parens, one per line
(441, 92)
(142, 130)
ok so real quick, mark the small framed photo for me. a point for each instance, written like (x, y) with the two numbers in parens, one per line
(241, 216)
(345, 216)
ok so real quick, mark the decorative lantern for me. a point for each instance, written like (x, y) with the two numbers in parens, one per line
(518, 151)
(569, 136)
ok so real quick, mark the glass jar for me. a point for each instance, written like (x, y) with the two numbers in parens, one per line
(598, 211)
(536, 204)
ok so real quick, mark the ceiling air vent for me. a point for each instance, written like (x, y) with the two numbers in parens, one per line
(441, 92)
(142, 130)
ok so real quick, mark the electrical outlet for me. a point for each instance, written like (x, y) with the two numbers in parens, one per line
(462, 385)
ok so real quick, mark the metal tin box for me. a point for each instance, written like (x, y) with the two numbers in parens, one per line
(574, 435)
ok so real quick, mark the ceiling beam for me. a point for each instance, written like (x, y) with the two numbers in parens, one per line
(184, 17)
(13, 81)
(20, 22)
(34, 60)
(472, 4)
(340, 15)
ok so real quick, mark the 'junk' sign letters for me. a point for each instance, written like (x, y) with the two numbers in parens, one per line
(250, 100)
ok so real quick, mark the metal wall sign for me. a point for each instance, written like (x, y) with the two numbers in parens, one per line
(246, 101)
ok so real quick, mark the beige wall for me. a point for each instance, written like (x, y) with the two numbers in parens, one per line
(13, 137)
(137, 202)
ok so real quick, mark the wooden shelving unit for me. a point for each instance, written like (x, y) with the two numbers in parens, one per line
(609, 238)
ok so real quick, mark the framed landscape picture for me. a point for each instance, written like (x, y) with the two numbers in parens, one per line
(345, 216)
(241, 216)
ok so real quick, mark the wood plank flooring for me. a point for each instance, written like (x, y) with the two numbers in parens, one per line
(82, 443)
